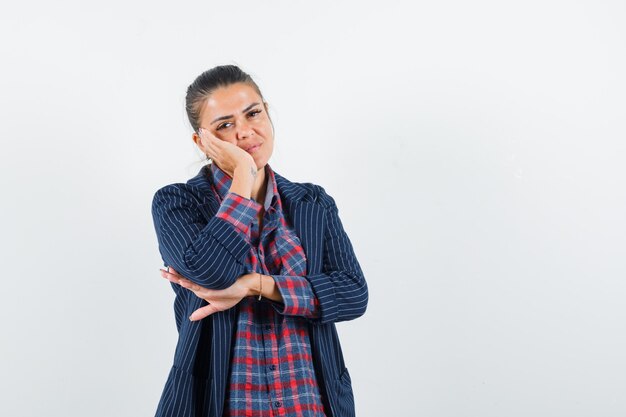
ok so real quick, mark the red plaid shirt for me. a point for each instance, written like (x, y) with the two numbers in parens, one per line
(272, 370)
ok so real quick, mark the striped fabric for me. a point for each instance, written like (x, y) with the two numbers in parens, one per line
(209, 251)
(272, 372)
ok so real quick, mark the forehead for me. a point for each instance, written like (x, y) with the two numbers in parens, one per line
(230, 100)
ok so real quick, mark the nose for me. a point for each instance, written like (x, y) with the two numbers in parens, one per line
(244, 130)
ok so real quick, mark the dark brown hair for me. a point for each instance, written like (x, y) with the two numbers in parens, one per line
(207, 82)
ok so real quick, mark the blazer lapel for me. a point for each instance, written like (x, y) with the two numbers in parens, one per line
(306, 217)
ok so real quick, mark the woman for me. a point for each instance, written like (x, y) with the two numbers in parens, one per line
(261, 267)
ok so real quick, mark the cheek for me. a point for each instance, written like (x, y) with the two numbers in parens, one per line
(227, 137)
(266, 128)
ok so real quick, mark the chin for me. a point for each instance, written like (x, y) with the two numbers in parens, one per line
(260, 165)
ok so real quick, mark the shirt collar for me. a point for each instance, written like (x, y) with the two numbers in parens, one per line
(222, 182)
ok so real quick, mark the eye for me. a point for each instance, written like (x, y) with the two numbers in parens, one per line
(223, 125)
(252, 113)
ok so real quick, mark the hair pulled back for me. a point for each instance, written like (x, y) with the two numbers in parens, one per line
(209, 81)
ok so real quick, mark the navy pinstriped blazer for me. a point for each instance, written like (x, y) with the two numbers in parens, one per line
(208, 251)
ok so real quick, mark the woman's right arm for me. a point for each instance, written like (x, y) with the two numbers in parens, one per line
(211, 254)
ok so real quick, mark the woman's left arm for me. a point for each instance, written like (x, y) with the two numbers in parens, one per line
(341, 289)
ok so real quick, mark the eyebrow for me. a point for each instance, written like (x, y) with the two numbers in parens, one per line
(229, 116)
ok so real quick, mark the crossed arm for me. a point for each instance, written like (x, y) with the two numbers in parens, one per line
(210, 256)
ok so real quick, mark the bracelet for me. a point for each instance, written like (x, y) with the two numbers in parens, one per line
(260, 285)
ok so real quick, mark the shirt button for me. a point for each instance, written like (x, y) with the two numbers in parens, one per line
(273, 367)
(268, 327)
(277, 403)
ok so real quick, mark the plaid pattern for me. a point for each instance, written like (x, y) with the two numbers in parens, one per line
(272, 371)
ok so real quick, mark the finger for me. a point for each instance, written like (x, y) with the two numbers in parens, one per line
(208, 138)
(205, 141)
(211, 152)
(168, 275)
(169, 272)
(199, 290)
(217, 142)
(203, 312)
(188, 284)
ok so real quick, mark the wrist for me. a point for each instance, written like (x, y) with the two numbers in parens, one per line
(243, 180)
(252, 284)
(247, 169)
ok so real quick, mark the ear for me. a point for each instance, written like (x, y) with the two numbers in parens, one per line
(196, 139)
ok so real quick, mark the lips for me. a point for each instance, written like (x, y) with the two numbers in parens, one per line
(253, 148)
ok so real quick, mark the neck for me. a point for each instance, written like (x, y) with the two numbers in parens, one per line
(260, 186)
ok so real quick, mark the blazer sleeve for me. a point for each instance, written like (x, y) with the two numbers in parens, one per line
(211, 254)
(341, 288)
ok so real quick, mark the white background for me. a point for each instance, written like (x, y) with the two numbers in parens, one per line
(475, 151)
